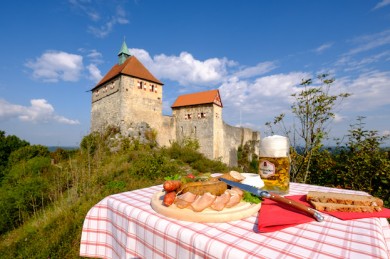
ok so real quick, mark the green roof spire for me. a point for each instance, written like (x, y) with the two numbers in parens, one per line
(123, 53)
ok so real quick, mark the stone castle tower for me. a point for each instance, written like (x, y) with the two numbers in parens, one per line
(130, 98)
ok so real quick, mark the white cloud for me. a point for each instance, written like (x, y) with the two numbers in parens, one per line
(103, 30)
(259, 69)
(54, 66)
(40, 111)
(369, 91)
(365, 62)
(323, 47)
(100, 11)
(369, 42)
(83, 7)
(95, 56)
(184, 68)
(381, 4)
(95, 74)
(266, 94)
(338, 118)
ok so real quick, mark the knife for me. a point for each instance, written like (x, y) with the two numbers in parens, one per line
(275, 197)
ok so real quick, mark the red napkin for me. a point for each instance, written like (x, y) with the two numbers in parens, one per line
(274, 216)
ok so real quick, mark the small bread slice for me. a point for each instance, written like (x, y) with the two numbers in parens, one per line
(331, 207)
(343, 198)
(233, 176)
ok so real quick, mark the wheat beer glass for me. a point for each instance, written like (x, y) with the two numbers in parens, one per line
(274, 164)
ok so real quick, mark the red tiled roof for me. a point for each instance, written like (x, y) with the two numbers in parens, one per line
(206, 97)
(132, 67)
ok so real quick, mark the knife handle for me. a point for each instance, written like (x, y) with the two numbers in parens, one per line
(315, 214)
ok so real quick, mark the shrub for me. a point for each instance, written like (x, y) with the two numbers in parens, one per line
(8, 144)
(27, 152)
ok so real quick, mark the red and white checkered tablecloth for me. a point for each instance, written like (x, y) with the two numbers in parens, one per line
(125, 226)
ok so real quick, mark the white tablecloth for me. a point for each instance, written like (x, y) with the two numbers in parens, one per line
(125, 226)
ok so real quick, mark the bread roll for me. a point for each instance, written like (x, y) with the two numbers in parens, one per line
(233, 176)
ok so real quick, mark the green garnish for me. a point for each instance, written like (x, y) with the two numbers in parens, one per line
(248, 197)
(172, 177)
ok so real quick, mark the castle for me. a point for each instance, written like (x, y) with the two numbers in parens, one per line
(130, 98)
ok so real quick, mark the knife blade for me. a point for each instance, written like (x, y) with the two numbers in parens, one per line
(275, 197)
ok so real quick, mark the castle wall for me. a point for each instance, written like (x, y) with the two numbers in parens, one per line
(105, 107)
(218, 135)
(234, 137)
(196, 122)
(141, 101)
(167, 132)
(217, 139)
(126, 100)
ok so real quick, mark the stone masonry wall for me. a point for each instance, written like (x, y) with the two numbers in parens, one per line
(141, 101)
(196, 122)
(166, 134)
(235, 137)
(105, 107)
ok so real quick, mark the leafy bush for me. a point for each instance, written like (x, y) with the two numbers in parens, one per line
(62, 154)
(154, 165)
(8, 144)
(27, 152)
(91, 142)
(25, 190)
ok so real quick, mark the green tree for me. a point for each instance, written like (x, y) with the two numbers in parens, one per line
(27, 152)
(361, 164)
(313, 107)
(8, 144)
(25, 189)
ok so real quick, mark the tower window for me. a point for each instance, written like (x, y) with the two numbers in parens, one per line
(139, 84)
(201, 115)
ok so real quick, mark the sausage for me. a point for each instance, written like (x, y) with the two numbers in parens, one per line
(171, 185)
(169, 198)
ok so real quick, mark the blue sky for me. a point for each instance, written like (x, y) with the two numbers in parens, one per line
(254, 52)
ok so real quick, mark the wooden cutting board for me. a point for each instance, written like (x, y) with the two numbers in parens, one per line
(240, 211)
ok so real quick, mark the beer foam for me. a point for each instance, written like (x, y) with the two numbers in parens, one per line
(274, 146)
